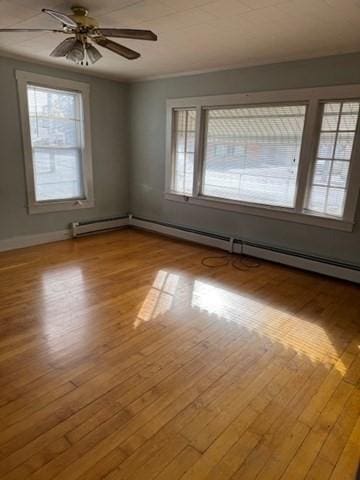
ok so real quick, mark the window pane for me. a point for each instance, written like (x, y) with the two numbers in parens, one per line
(52, 103)
(344, 145)
(56, 139)
(322, 172)
(337, 148)
(180, 142)
(350, 107)
(252, 153)
(190, 147)
(326, 145)
(335, 201)
(184, 148)
(331, 108)
(50, 132)
(329, 122)
(339, 174)
(57, 174)
(348, 122)
(317, 199)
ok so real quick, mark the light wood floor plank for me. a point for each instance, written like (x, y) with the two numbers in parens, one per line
(123, 357)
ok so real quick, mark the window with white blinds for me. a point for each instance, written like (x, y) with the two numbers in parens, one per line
(184, 151)
(56, 118)
(252, 153)
(330, 176)
(56, 134)
(291, 155)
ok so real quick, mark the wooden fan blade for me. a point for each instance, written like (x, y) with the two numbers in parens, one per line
(128, 33)
(61, 17)
(116, 48)
(3, 30)
(63, 48)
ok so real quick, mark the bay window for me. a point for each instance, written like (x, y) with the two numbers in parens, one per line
(291, 155)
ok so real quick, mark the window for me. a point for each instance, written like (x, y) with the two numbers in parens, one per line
(56, 143)
(268, 142)
(292, 155)
(331, 170)
(184, 151)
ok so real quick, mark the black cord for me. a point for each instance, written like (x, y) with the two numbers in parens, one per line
(235, 260)
(230, 259)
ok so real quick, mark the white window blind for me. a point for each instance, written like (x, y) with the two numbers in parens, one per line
(184, 151)
(252, 153)
(331, 170)
(57, 143)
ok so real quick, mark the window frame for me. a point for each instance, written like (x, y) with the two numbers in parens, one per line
(55, 83)
(353, 187)
(313, 97)
(174, 144)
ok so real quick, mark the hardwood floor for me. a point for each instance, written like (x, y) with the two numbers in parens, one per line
(123, 357)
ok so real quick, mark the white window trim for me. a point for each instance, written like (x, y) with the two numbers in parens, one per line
(313, 97)
(24, 79)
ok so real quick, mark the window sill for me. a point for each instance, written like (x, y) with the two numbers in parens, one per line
(59, 206)
(278, 213)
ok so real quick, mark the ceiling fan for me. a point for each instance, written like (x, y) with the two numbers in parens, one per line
(85, 31)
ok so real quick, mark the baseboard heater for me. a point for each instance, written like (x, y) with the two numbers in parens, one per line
(79, 229)
(287, 257)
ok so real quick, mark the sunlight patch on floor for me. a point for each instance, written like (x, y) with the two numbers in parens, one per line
(303, 336)
(159, 298)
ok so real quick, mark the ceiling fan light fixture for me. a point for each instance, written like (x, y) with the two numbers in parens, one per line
(63, 48)
(85, 31)
(76, 54)
(93, 53)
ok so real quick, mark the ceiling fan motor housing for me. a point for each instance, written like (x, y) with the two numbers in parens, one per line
(80, 16)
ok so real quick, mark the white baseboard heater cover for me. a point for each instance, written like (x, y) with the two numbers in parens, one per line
(97, 226)
(293, 259)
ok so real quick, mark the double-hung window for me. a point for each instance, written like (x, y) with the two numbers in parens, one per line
(56, 139)
(292, 155)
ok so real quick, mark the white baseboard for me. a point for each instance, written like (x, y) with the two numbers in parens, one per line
(36, 239)
(99, 226)
(321, 267)
(23, 241)
(177, 233)
(292, 260)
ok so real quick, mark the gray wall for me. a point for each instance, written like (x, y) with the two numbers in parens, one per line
(128, 132)
(147, 155)
(110, 157)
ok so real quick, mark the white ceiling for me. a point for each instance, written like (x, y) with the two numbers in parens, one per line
(194, 35)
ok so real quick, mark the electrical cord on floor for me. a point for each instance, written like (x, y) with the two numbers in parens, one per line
(235, 260)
